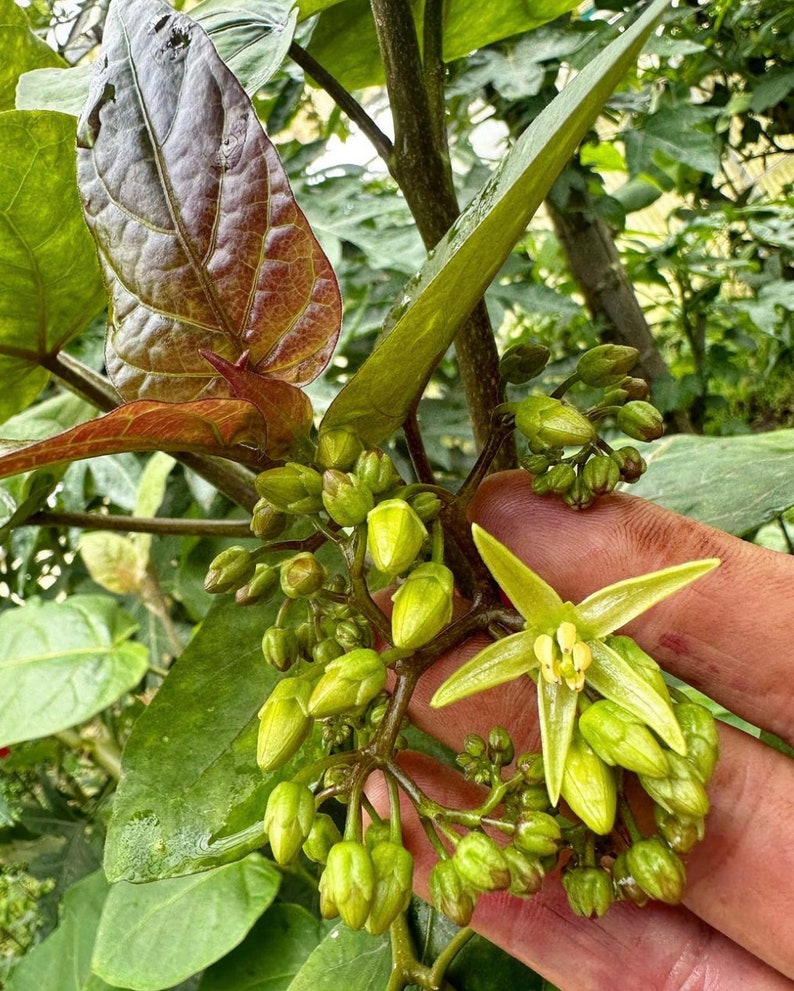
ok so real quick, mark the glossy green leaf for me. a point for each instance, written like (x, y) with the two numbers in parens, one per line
(271, 955)
(345, 43)
(734, 483)
(612, 607)
(557, 715)
(62, 662)
(21, 49)
(152, 936)
(208, 426)
(346, 959)
(217, 283)
(50, 285)
(497, 663)
(191, 795)
(376, 399)
(614, 678)
(530, 595)
(63, 961)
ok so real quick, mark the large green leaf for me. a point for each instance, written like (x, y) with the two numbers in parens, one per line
(454, 278)
(154, 935)
(63, 961)
(271, 955)
(345, 42)
(734, 483)
(62, 662)
(191, 795)
(21, 49)
(345, 959)
(50, 285)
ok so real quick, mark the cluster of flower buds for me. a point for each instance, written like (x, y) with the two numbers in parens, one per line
(566, 456)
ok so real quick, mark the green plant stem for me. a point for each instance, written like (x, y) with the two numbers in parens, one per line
(416, 448)
(448, 954)
(140, 524)
(420, 164)
(104, 752)
(343, 100)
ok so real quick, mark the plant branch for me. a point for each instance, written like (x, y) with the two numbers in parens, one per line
(343, 100)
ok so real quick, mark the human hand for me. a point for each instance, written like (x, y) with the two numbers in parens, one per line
(728, 637)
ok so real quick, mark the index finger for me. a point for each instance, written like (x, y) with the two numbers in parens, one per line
(726, 635)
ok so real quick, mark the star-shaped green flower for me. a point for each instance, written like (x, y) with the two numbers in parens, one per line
(565, 646)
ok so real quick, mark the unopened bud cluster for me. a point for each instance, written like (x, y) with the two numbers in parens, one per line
(566, 455)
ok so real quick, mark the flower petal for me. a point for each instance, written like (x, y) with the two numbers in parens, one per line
(615, 679)
(531, 596)
(557, 713)
(612, 607)
(499, 662)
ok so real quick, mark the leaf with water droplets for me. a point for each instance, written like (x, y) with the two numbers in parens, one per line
(203, 247)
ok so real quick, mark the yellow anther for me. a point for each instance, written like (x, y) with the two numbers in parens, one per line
(582, 656)
(546, 653)
(567, 636)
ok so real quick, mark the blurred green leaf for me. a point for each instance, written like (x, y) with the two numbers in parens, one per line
(458, 272)
(153, 935)
(62, 662)
(346, 959)
(191, 795)
(271, 955)
(50, 285)
(733, 483)
(21, 49)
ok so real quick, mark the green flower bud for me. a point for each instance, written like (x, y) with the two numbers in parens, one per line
(601, 474)
(395, 535)
(259, 587)
(267, 522)
(535, 464)
(280, 647)
(426, 505)
(377, 832)
(349, 634)
(393, 867)
(327, 650)
(619, 738)
(548, 422)
(559, 478)
(288, 819)
(523, 362)
(347, 886)
(422, 605)
(229, 570)
(606, 364)
(481, 863)
(537, 833)
(589, 891)
(624, 886)
(307, 638)
(338, 448)
(302, 575)
(657, 870)
(500, 746)
(323, 835)
(292, 488)
(640, 420)
(450, 893)
(348, 682)
(588, 786)
(526, 872)
(284, 723)
(630, 462)
(531, 767)
(579, 495)
(346, 498)
(700, 732)
(635, 388)
(682, 793)
(680, 833)
(376, 470)
(533, 798)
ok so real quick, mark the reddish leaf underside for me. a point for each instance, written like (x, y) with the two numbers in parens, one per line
(209, 426)
(202, 244)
